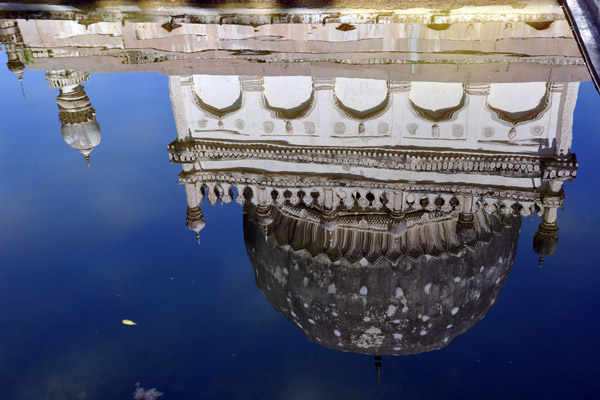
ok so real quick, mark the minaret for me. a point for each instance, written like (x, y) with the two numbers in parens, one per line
(80, 130)
(264, 215)
(264, 219)
(545, 241)
(465, 226)
(10, 36)
(194, 219)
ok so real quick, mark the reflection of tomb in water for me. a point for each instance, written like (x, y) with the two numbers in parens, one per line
(381, 216)
(382, 204)
(372, 240)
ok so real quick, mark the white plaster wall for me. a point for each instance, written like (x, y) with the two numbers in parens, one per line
(516, 97)
(468, 130)
(360, 94)
(57, 34)
(217, 90)
(287, 92)
(436, 95)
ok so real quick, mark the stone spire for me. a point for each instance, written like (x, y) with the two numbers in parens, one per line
(80, 130)
(545, 241)
(378, 367)
(10, 36)
(195, 220)
(264, 219)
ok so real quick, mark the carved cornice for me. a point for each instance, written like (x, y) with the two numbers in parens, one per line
(555, 169)
(63, 78)
(365, 194)
(428, 234)
(77, 117)
(374, 220)
(75, 106)
(563, 168)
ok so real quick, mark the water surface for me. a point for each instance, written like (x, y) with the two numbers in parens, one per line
(83, 248)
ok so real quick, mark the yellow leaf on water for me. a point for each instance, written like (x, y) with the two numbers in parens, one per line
(128, 322)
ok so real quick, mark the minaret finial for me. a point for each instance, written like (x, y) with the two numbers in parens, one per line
(378, 367)
(87, 159)
(541, 261)
(198, 237)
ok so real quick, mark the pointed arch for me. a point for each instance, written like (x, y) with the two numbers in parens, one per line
(217, 95)
(361, 99)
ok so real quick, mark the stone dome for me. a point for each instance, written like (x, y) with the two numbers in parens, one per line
(83, 136)
(408, 307)
(16, 67)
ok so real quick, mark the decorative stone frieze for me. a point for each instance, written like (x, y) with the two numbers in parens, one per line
(189, 151)
(67, 77)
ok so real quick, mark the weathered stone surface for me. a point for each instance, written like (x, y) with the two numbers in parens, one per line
(382, 309)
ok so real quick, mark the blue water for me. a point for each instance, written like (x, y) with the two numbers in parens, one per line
(83, 248)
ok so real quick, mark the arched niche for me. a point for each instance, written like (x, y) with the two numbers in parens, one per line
(288, 97)
(361, 99)
(437, 101)
(218, 95)
(517, 103)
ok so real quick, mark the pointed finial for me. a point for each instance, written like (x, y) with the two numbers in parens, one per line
(378, 367)
(87, 159)
(266, 230)
(22, 88)
(198, 237)
(541, 261)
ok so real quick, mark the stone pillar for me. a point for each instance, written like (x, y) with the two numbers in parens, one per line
(545, 241)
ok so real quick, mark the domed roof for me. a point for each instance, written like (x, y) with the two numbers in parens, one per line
(410, 307)
(83, 136)
(16, 67)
